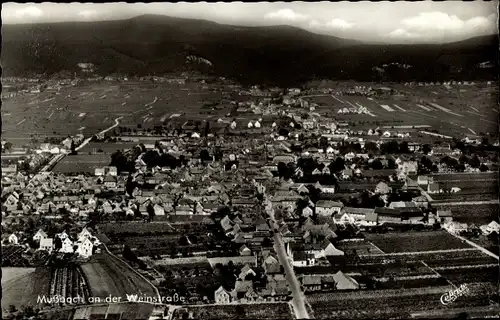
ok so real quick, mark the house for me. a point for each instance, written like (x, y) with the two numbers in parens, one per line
(307, 212)
(245, 271)
(222, 296)
(84, 234)
(343, 218)
(358, 214)
(66, 246)
(345, 282)
(46, 244)
(444, 216)
(13, 239)
(328, 208)
(85, 248)
(159, 211)
(302, 259)
(388, 215)
(421, 201)
(455, 227)
(424, 180)
(491, 227)
(271, 265)
(329, 250)
(241, 287)
(40, 235)
(245, 251)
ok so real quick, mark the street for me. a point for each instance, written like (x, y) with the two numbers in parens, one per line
(298, 301)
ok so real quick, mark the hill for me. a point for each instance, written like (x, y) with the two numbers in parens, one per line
(152, 44)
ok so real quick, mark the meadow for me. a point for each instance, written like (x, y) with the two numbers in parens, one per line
(22, 286)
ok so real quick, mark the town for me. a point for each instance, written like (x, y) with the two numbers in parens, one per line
(250, 161)
(275, 204)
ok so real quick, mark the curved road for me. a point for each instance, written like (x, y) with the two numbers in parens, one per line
(298, 301)
(60, 156)
(86, 141)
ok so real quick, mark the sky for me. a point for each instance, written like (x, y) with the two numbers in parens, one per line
(396, 22)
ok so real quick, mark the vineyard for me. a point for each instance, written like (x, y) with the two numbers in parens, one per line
(69, 282)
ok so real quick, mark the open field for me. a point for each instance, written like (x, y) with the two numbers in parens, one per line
(82, 163)
(415, 241)
(477, 214)
(91, 107)
(22, 286)
(107, 275)
(242, 311)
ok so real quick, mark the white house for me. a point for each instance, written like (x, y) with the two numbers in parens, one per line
(328, 208)
(343, 218)
(85, 234)
(250, 124)
(257, 124)
(66, 246)
(13, 239)
(47, 244)
(233, 125)
(85, 248)
(39, 235)
(222, 296)
(195, 135)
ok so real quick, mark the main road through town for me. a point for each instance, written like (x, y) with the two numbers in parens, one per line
(298, 301)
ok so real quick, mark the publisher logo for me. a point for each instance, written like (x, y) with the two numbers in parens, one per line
(451, 296)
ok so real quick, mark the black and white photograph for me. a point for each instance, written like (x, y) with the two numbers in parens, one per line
(265, 160)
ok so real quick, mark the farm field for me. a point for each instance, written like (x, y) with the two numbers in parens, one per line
(91, 107)
(82, 163)
(384, 304)
(450, 112)
(474, 213)
(107, 275)
(69, 282)
(22, 286)
(242, 311)
(415, 241)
